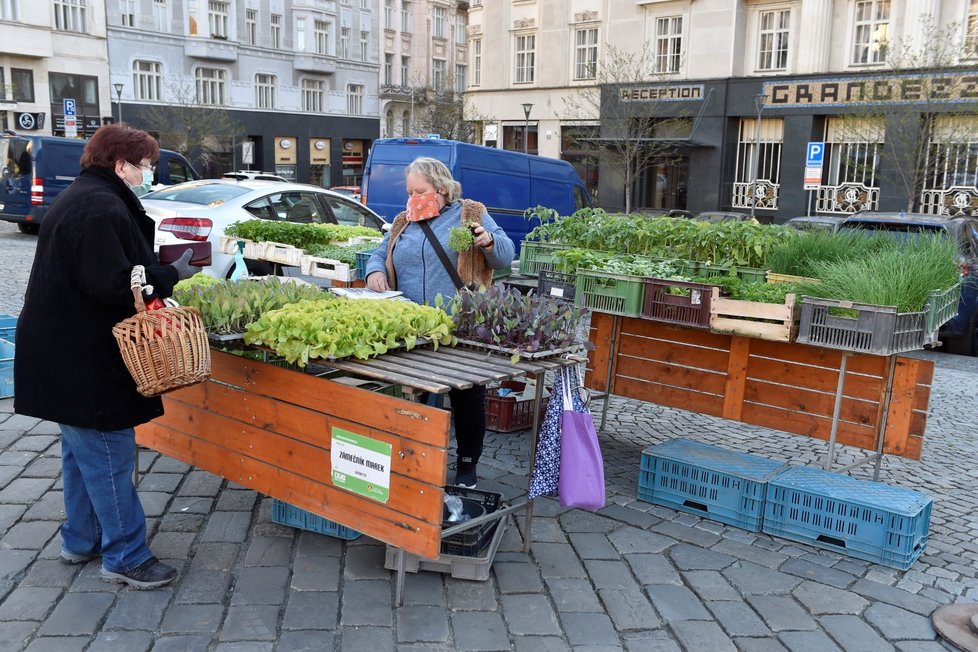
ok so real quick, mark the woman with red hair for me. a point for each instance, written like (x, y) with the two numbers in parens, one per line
(68, 368)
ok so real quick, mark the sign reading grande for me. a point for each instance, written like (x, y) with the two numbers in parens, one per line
(661, 93)
(905, 89)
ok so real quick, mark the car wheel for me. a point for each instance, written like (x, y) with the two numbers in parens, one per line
(966, 344)
(30, 228)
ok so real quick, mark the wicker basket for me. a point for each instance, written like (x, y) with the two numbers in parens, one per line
(163, 349)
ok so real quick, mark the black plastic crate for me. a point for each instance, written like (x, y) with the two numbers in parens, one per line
(471, 542)
(557, 285)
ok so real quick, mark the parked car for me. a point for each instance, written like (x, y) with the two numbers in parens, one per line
(200, 211)
(960, 335)
(37, 168)
(722, 216)
(350, 191)
(253, 175)
(816, 222)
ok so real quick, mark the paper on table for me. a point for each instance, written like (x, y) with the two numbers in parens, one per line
(365, 293)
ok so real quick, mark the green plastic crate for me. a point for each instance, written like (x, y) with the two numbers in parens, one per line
(535, 256)
(749, 274)
(612, 293)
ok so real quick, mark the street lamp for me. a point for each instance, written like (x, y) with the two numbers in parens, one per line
(527, 107)
(759, 101)
(118, 93)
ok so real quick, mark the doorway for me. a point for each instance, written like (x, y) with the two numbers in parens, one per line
(664, 185)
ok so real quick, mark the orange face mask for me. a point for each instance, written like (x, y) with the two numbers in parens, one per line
(423, 207)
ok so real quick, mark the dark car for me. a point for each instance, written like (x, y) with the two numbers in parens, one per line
(960, 335)
(722, 216)
(816, 222)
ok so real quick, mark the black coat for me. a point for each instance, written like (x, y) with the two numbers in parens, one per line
(67, 365)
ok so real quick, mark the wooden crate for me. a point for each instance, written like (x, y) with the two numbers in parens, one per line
(326, 268)
(765, 321)
(788, 278)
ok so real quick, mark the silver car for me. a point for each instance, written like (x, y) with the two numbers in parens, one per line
(199, 211)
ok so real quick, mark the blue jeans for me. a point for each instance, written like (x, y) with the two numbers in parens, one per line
(102, 508)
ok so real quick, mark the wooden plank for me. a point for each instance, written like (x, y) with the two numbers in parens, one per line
(755, 329)
(600, 357)
(447, 367)
(677, 334)
(453, 364)
(673, 353)
(671, 396)
(408, 370)
(817, 378)
(900, 413)
(807, 401)
(367, 516)
(411, 420)
(733, 392)
(502, 362)
(808, 425)
(670, 375)
(819, 357)
(363, 368)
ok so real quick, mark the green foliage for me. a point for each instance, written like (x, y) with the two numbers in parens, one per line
(339, 328)
(228, 306)
(197, 280)
(802, 252)
(342, 253)
(901, 276)
(302, 236)
(737, 288)
(460, 239)
(575, 258)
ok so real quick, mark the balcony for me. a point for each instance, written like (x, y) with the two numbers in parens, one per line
(317, 63)
(211, 48)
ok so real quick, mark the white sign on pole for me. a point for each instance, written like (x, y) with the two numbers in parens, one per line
(248, 152)
(71, 122)
(814, 155)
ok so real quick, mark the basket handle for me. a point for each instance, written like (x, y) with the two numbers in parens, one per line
(137, 281)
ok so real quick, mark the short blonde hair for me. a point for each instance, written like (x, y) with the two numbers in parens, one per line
(438, 175)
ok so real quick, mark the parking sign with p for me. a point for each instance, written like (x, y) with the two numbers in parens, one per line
(815, 155)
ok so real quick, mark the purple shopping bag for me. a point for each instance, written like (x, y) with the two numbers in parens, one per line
(581, 481)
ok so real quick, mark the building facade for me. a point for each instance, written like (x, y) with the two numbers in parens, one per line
(733, 94)
(51, 51)
(287, 87)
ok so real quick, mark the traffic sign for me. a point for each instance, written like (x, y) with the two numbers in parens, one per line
(814, 154)
(69, 107)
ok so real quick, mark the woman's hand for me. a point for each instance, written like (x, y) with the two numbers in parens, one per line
(481, 237)
(377, 281)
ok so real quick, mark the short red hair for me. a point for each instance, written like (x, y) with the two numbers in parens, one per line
(119, 142)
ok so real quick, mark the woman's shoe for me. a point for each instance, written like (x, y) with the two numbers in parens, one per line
(150, 574)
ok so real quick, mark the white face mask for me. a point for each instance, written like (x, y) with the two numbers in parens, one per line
(145, 186)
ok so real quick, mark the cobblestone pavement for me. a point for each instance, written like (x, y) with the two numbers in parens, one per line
(633, 577)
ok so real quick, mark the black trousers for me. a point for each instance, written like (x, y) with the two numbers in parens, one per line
(469, 412)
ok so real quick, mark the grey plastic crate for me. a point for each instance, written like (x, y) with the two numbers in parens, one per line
(942, 306)
(460, 567)
(878, 330)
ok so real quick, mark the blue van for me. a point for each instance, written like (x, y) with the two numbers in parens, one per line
(506, 182)
(35, 169)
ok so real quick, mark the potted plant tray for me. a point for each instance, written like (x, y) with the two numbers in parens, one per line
(765, 321)
(326, 268)
(229, 245)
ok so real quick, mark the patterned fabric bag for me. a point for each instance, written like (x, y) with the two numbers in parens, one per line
(546, 467)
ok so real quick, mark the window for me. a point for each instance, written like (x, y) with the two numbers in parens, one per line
(300, 34)
(322, 37)
(438, 75)
(365, 4)
(389, 124)
(872, 29)
(251, 26)
(3, 88)
(313, 91)
(774, 40)
(364, 45)
(853, 148)
(406, 124)
(8, 11)
(344, 43)
(22, 83)
(952, 162)
(586, 53)
(758, 164)
(389, 69)
(388, 14)
(971, 36)
(70, 15)
(354, 99)
(438, 22)
(668, 43)
(217, 18)
(127, 9)
(276, 31)
(147, 80)
(161, 16)
(81, 88)
(211, 86)
(405, 16)
(405, 70)
(477, 62)
(459, 79)
(525, 45)
(265, 91)
(460, 35)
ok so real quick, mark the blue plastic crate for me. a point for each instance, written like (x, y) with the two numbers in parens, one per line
(864, 519)
(8, 327)
(6, 369)
(709, 481)
(286, 514)
(362, 258)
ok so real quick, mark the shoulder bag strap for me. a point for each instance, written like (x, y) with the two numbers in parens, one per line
(452, 272)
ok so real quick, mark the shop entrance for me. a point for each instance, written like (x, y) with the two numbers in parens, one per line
(664, 185)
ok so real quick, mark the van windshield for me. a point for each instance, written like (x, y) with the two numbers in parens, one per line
(15, 154)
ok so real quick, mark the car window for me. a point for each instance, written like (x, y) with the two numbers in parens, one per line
(295, 206)
(208, 194)
(177, 170)
(969, 241)
(261, 208)
(16, 156)
(350, 213)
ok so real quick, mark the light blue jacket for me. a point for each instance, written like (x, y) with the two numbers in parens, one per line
(420, 273)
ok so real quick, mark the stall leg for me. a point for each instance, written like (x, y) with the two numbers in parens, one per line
(612, 352)
(399, 578)
(830, 452)
(539, 379)
(886, 411)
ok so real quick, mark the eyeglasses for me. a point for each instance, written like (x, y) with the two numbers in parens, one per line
(148, 168)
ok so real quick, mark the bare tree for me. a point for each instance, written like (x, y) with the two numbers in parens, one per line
(200, 132)
(929, 133)
(635, 135)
